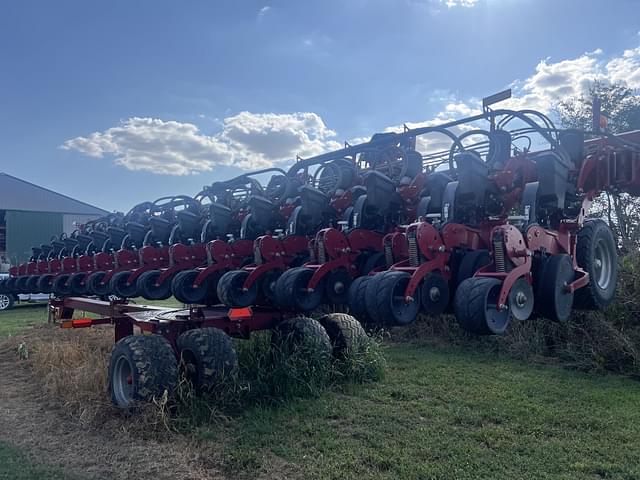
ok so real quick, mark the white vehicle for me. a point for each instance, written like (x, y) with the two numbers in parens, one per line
(8, 300)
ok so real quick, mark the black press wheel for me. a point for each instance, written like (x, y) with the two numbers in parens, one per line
(142, 367)
(555, 301)
(337, 286)
(10, 285)
(32, 284)
(120, 285)
(60, 285)
(149, 288)
(268, 284)
(292, 290)
(207, 357)
(6, 301)
(95, 285)
(186, 292)
(471, 262)
(21, 284)
(231, 291)
(386, 302)
(77, 283)
(476, 306)
(306, 334)
(345, 332)
(44, 283)
(357, 298)
(434, 294)
(596, 254)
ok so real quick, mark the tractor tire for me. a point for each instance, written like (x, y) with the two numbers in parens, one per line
(345, 332)
(32, 284)
(184, 291)
(147, 287)
(141, 368)
(475, 306)
(303, 333)
(60, 286)
(119, 285)
(471, 262)
(95, 285)
(596, 254)
(357, 298)
(77, 285)
(337, 287)
(207, 357)
(6, 301)
(386, 302)
(291, 290)
(554, 301)
(44, 283)
(231, 293)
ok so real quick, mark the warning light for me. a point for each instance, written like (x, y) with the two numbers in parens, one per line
(240, 313)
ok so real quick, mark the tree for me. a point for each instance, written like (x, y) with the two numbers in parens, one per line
(621, 105)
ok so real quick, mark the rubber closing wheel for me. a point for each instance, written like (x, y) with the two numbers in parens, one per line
(555, 299)
(357, 298)
(119, 284)
(292, 290)
(386, 302)
(185, 291)
(44, 283)
(148, 287)
(77, 283)
(476, 306)
(434, 294)
(32, 283)
(95, 285)
(231, 292)
(60, 286)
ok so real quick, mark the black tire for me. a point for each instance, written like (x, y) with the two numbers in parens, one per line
(434, 294)
(345, 332)
(554, 301)
(337, 286)
(119, 285)
(291, 290)
(231, 293)
(596, 254)
(10, 284)
(95, 285)
(6, 301)
(142, 367)
(44, 283)
(184, 291)
(471, 262)
(32, 284)
(475, 307)
(60, 286)
(357, 298)
(303, 333)
(76, 283)
(373, 261)
(385, 299)
(147, 287)
(268, 284)
(207, 357)
(21, 284)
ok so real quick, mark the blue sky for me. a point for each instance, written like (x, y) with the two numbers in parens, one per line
(97, 96)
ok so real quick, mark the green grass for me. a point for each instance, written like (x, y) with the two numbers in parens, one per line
(16, 466)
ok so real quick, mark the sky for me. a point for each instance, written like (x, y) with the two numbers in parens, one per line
(119, 102)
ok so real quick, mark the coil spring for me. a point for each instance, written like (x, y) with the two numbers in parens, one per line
(322, 257)
(388, 252)
(312, 254)
(414, 259)
(498, 255)
(257, 256)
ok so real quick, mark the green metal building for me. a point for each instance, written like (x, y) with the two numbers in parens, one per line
(31, 215)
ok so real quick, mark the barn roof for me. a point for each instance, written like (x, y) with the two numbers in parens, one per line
(17, 194)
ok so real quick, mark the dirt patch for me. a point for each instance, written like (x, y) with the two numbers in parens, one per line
(83, 437)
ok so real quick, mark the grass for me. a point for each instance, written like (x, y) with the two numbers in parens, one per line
(16, 466)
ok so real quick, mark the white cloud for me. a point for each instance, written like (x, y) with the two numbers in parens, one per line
(247, 140)
(459, 3)
(263, 11)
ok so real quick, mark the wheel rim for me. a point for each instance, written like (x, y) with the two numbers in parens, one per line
(403, 312)
(497, 320)
(4, 301)
(122, 382)
(603, 265)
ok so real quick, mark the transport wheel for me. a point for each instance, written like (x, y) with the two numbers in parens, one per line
(292, 291)
(471, 262)
(434, 294)
(147, 287)
(32, 284)
(142, 367)
(231, 293)
(337, 287)
(345, 332)
(521, 299)
(356, 298)
(95, 285)
(44, 283)
(596, 254)
(555, 301)
(119, 285)
(268, 285)
(476, 307)
(184, 291)
(207, 357)
(76, 283)
(60, 286)
(6, 301)
(385, 299)
(303, 333)
(21, 284)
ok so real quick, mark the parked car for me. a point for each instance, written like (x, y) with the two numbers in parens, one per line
(7, 301)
